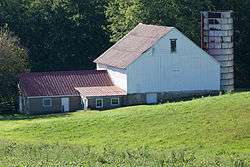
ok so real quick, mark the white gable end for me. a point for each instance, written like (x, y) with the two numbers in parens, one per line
(159, 70)
(117, 75)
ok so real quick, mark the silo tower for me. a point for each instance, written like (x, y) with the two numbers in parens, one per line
(217, 40)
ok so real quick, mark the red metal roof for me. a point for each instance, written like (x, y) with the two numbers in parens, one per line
(101, 91)
(61, 83)
(132, 45)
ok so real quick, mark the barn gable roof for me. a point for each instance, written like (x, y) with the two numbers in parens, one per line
(61, 83)
(133, 45)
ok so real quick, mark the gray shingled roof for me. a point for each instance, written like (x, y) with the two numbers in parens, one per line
(132, 45)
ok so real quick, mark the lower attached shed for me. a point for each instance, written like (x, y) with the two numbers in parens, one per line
(53, 92)
(102, 97)
(49, 104)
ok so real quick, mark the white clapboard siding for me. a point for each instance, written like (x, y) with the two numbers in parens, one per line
(157, 70)
(117, 75)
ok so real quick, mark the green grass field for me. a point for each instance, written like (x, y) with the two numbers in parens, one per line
(211, 129)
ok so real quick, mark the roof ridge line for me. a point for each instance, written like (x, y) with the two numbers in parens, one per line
(64, 71)
(115, 44)
(142, 33)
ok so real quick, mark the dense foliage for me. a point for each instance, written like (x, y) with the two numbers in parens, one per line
(70, 34)
(13, 60)
(185, 15)
(60, 34)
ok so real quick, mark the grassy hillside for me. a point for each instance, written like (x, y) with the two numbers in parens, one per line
(208, 127)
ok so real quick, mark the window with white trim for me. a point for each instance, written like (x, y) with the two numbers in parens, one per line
(47, 102)
(115, 102)
(99, 103)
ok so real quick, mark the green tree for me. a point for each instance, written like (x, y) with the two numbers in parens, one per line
(123, 15)
(60, 34)
(13, 60)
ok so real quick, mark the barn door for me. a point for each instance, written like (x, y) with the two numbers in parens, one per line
(65, 104)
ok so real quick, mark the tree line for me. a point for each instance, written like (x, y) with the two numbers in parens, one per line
(70, 34)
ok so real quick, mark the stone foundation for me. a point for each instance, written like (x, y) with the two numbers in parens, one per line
(183, 95)
(135, 99)
(140, 98)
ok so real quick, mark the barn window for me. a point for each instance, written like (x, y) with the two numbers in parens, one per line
(47, 102)
(213, 21)
(99, 103)
(115, 102)
(173, 45)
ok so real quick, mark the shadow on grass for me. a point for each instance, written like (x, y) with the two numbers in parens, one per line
(7, 117)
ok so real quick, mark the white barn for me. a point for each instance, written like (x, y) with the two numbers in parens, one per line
(155, 61)
(151, 64)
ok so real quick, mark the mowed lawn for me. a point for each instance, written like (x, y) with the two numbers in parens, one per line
(207, 126)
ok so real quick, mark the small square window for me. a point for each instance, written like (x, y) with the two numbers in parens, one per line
(99, 103)
(173, 45)
(47, 102)
(115, 102)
